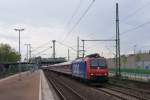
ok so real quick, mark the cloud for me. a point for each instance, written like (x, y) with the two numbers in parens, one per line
(45, 20)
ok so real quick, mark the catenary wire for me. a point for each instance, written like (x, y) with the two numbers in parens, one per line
(72, 16)
(136, 11)
(42, 51)
(137, 27)
(35, 49)
(66, 46)
(79, 20)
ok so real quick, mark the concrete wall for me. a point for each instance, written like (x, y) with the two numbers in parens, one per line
(141, 60)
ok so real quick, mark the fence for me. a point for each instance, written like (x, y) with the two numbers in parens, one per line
(133, 74)
(13, 69)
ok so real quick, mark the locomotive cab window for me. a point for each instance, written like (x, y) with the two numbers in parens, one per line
(98, 63)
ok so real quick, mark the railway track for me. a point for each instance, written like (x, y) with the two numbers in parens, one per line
(129, 87)
(69, 89)
(143, 86)
(64, 91)
(124, 94)
(118, 95)
(145, 94)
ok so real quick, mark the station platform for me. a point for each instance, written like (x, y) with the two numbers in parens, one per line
(32, 86)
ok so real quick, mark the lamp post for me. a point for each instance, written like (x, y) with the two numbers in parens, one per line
(19, 30)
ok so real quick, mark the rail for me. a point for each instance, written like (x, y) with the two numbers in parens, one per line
(64, 91)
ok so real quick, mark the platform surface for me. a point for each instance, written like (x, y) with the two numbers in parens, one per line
(26, 89)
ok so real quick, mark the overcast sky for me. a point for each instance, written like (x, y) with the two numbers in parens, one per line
(47, 20)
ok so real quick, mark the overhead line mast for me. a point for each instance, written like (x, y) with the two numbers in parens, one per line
(117, 40)
(78, 45)
(83, 41)
(68, 54)
(28, 52)
(54, 53)
(118, 64)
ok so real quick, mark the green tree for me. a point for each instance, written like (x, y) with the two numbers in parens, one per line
(8, 54)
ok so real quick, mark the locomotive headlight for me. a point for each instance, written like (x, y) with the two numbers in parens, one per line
(92, 74)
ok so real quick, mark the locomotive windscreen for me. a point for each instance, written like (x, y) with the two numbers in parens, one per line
(98, 63)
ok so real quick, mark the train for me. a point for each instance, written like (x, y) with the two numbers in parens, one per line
(92, 68)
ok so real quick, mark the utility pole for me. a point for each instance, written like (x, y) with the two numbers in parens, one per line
(116, 42)
(68, 54)
(134, 49)
(54, 54)
(78, 47)
(83, 48)
(19, 30)
(30, 51)
(27, 57)
(118, 64)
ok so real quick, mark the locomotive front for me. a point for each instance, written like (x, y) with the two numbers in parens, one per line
(97, 69)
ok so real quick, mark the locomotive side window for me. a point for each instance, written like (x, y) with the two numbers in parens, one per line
(98, 63)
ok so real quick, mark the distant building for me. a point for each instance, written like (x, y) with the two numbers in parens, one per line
(140, 60)
(47, 61)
